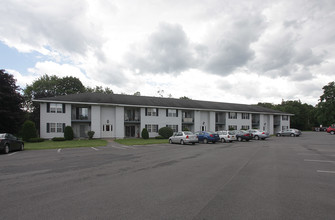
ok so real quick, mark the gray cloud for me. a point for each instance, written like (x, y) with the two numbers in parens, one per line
(168, 50)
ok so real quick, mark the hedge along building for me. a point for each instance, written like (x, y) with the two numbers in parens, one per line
(120, 116)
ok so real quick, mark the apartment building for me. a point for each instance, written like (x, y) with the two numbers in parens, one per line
(123, 116)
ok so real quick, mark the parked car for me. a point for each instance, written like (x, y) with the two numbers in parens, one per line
(9, 142)
(207, 136)
(226, 136)
(243, 135)
(257, 134)
(289, 132)
(331, 129)
(183, 137)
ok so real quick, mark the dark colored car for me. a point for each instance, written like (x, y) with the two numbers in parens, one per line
(9, 142)
(207, 136)
(243, 135)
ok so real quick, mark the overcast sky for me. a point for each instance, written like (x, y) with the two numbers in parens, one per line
(217, 50)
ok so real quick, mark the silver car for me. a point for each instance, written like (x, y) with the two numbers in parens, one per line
(183, 137)
(289, 132)
(226, 136)
(257, 134)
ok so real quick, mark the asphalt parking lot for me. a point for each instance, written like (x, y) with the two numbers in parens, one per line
(279, 178)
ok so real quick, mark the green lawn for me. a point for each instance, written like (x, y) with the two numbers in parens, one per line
(140, 141)
(64, 144)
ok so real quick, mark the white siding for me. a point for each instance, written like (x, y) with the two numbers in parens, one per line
(96, 121)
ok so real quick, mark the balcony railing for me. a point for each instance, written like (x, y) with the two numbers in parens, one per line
(188, 120)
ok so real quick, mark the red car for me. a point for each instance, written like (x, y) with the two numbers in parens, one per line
(331, 129)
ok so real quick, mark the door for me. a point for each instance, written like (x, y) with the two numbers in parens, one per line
(107, 130)
(82, 131)
(130, 131)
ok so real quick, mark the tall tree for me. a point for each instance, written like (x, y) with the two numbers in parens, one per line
(11, 113)
(326, 105)
(99, 89)
(49, 86)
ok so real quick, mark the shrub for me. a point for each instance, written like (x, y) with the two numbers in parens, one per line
(165, 132)
(145, 133)
(90, 134)
(186, 129)
(58, 139)
(68, 133)
(28, 130)
(160, 137)
(35, 140)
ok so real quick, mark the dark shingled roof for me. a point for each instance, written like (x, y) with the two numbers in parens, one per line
(132, 100)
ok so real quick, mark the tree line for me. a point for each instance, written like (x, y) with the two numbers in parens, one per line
(16, 104)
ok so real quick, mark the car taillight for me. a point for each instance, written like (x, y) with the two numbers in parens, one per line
(211, 135)
(263, 133)
(187, 137)
(228, 136)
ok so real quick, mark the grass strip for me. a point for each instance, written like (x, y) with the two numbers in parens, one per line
(140, 141)
(64, 144)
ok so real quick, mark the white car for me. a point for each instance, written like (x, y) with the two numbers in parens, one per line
(183, 137)
(257, 134)
(226, 136)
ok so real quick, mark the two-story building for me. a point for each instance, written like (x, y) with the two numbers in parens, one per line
(121, 116)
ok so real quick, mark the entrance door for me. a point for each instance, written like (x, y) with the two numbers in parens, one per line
(130, 131)
(82, 130)
(107, 130)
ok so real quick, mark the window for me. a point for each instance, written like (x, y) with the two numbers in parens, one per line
(232, 127)
(107, 127)
(55, 127)
(55, 108)
(152, 128)
(284, 128)
(285, 117)
(151, 111)
(245, 127)
(171, 113)
(232, 115)
(82, 113)
(173, 127)
(245, 116)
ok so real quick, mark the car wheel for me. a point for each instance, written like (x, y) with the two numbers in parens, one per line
(256, 137)
(263, 138)
(332, 132)
(278, 135)
(247, 139)
(223, 140)
(170, 141)
(22, 147)
(205, 141)
(292, 135)
(182, 142)
(239, 139)
(7, 149)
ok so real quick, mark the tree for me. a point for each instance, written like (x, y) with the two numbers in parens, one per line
(49, 86)
(68, 133)
(326, 105)
(99, 89)
(11, 113)
(185, 97)
(145, 133)
(165, 132)
(28, 130)
(137, 94)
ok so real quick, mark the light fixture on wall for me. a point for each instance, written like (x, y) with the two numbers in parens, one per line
(107, 121)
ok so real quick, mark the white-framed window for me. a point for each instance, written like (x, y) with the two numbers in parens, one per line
(285, 117)
(82, 113)
(173, 127)
(55, 127)
(107, 127)
(245, 127)
(232, 127)
(172, 113)
(232, 115)
(245, 116)
(152, 128)
(55, 108)
(151, 111)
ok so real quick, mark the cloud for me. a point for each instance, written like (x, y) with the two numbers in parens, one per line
(167, 50)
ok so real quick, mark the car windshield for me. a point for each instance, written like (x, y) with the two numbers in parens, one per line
(188, 133)
(231, 132)
(2, 135)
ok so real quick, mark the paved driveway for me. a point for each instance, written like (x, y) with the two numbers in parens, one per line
(279, 178)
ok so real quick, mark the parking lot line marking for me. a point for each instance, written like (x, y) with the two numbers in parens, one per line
(321, 161)
(58, 151)
(129, 147)
(325, 171)
(12, 154)
(94, 148)
(119, 147)
(331, 155)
